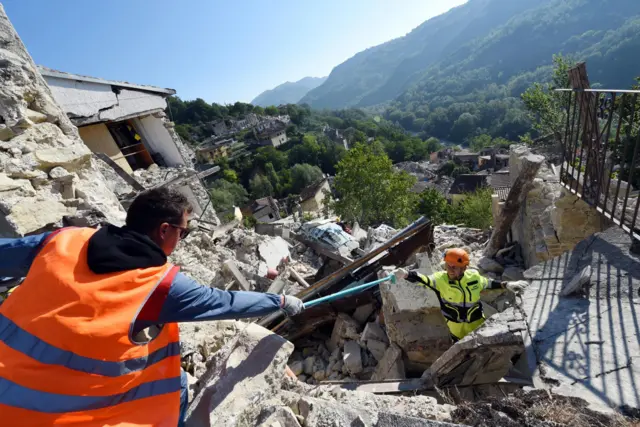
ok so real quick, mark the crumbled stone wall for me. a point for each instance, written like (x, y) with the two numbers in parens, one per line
(47, 175)
(552, 220)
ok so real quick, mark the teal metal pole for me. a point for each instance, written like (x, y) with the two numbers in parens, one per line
(348, 292)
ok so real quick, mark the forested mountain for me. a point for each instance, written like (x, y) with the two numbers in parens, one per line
(288, 93)
(462, 73)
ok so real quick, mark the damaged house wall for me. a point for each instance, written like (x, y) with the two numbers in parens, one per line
(552, 220)
(46, 171)
(90, 101)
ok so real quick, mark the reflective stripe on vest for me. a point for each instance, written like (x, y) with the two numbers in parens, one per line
(66, 351)
(460, 300)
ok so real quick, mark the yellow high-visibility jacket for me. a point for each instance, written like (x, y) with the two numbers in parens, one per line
(459, 299)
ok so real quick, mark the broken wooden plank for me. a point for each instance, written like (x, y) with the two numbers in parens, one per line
(121, 172)
(237, 274)
(523, 184)
(298, 278)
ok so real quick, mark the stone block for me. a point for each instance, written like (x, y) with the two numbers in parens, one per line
(297, 367)
(36, 117)
(377, 349)
(373, 331)
(345, 328)
(391, 367)
(490, 264)
(318, 412)
(362, 313)
(277, 416)
(247, 370)
(5, 133)
(414, 322)
(482, 357)
(513, 273)
(352, 357)
(577, 282)
(392, 419)
(72, 158)
(28, 216)
(22, 186)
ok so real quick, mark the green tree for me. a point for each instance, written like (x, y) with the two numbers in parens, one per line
(225, 195)
(434, 206)
(230, 175)
(474, 210)
(433, 145)
(260, 186)
(273, 177)
(371, 191)
(270, 154)
(271, 111)
(303, 175)
(544, 105)
(480, 142)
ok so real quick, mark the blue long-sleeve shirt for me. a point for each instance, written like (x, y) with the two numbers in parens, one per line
(186, 300)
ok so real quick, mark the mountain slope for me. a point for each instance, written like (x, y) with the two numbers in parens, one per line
(288, 93)
(486, 42)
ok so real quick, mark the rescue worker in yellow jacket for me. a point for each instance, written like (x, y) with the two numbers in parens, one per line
(459, 289)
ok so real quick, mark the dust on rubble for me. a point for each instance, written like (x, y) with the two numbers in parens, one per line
(536, 408)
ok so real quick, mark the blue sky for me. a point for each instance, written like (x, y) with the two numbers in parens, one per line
(221, 51)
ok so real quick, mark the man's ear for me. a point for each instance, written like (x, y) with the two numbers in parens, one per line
(162, 231)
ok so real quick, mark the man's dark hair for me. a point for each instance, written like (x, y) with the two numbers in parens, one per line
(153, 207)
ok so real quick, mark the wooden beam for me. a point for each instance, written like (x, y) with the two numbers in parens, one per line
(524, 183)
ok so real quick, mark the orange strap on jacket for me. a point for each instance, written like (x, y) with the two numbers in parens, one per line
(67, 355)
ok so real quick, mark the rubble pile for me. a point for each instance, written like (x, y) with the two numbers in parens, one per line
(48, 178)
(155, 175)
(245, 385)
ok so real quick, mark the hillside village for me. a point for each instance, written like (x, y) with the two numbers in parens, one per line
(295, 201)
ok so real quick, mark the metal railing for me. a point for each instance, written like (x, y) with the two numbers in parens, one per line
(600, 150)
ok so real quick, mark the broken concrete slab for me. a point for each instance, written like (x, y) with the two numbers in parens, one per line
(362, 313)
(352, 357)
(277, 416)
(373, 331)
(71, 158)
(244, 371)
(273, 250)
(377, 348)
(490, 265)
(345, 328)
(391, 419)
(577, 282)
(391, 367)
(482, 357)
(317, 413)
(512, 274)
(600, 331)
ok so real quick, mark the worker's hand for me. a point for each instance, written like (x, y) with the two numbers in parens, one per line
(400, 273)
(516, 287)
(291, 305)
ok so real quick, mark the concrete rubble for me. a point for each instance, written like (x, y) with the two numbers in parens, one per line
(238, 372)
(37, 138)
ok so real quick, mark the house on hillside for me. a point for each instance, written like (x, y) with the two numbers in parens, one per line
(465, 158)
(440, 156)
(264, 210)
(465, 184)
(248, 121)
(210, 150)
(312, 197)
(123, 120)
(219, 128)
(275, 135)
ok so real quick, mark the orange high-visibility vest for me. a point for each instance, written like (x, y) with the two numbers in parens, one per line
(67, 355)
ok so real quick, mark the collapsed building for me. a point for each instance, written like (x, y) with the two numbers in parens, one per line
(379, 358)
